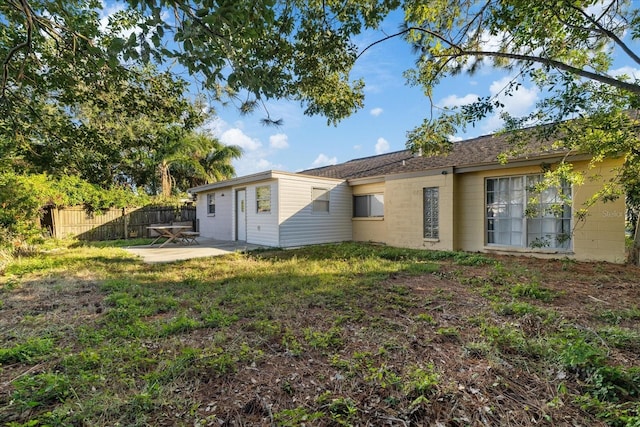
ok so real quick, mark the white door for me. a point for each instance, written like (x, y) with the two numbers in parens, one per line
(241, 215)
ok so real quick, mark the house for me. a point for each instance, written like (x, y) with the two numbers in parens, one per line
(465, 200)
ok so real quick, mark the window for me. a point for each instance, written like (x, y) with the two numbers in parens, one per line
(371, 205)
(263, 199)
(520, 214)
(211, 203)
(431, 217)
(320, 197)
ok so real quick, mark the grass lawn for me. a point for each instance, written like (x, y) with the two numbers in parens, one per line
(347, 334)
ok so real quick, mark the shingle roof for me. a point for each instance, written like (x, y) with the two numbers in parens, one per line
(483, 150)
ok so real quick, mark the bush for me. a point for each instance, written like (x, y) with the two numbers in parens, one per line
(22, 198)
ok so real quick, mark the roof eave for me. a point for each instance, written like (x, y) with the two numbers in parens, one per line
(256, 177)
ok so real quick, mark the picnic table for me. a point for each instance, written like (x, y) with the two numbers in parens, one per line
(173, 233)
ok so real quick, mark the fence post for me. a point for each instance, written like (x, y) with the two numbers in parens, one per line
(126, 224)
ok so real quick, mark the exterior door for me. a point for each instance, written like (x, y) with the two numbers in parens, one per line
(241, 215)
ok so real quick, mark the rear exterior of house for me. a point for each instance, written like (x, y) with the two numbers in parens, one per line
(276, 209)
(491, 211)
(464, 201)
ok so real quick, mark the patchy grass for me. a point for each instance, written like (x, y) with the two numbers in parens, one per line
(347, 334)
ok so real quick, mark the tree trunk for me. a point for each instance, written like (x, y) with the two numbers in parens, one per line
(165, 179)
(635, 250)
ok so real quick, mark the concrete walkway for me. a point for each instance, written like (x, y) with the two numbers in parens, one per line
(176, 252)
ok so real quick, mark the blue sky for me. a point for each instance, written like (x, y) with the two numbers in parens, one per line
(391, 109)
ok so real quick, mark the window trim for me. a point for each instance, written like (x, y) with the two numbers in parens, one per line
(431, 231)
(370, 197)
(211, 197)
(565, 221)
(261, 199)
(323, 199)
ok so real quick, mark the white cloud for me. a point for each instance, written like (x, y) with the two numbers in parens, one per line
(216, 126)
(630, 72)
(279, 141)
(235, 136)
(255, 157)
(457, 101)
(324, 160)
(357, 147)
(253, 163)
(519, 103)
(382, 146)
(376, 112)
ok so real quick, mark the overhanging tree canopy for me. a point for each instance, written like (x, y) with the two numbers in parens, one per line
(304, 50)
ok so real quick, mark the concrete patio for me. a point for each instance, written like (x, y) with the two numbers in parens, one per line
(177, 252)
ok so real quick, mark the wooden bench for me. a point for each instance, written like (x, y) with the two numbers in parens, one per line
(188, 237)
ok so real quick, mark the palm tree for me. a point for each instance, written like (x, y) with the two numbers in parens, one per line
(198, 159)
(217, 163)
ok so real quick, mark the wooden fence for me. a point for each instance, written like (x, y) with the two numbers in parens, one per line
(112, 224)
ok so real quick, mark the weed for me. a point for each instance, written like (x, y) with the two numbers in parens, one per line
(449, 332)
(221, 363)
(249, 354)
(625, 414)
(136, 363)
(214, 318)
(614, 384)
(337, 362)
(426, 318)
(420, 267)
(567, 263)
(576, 353)
(169, 370)
(383, 376)
(28, 352)
(343, 411)
(477, 349)
(463, 258)
(511, 340)
(291, 344)
(532, 290)
(621, 337)
(617, 316)
(296, 417)
(520, 309)
(324, 340)
(31, 391)
(491, 292)
(178, 325)
(422, 382)
(265, 328)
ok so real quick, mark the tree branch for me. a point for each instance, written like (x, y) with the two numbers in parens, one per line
(608, 33)
(405, 31)
(633, 88)
(26, 45)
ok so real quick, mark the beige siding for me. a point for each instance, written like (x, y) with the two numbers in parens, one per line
(599, 237)
(370, 229)
(299, 225)
(404, 212)
(469, 212)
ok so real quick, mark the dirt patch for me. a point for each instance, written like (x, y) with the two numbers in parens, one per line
(417, 350)
(439, 328)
